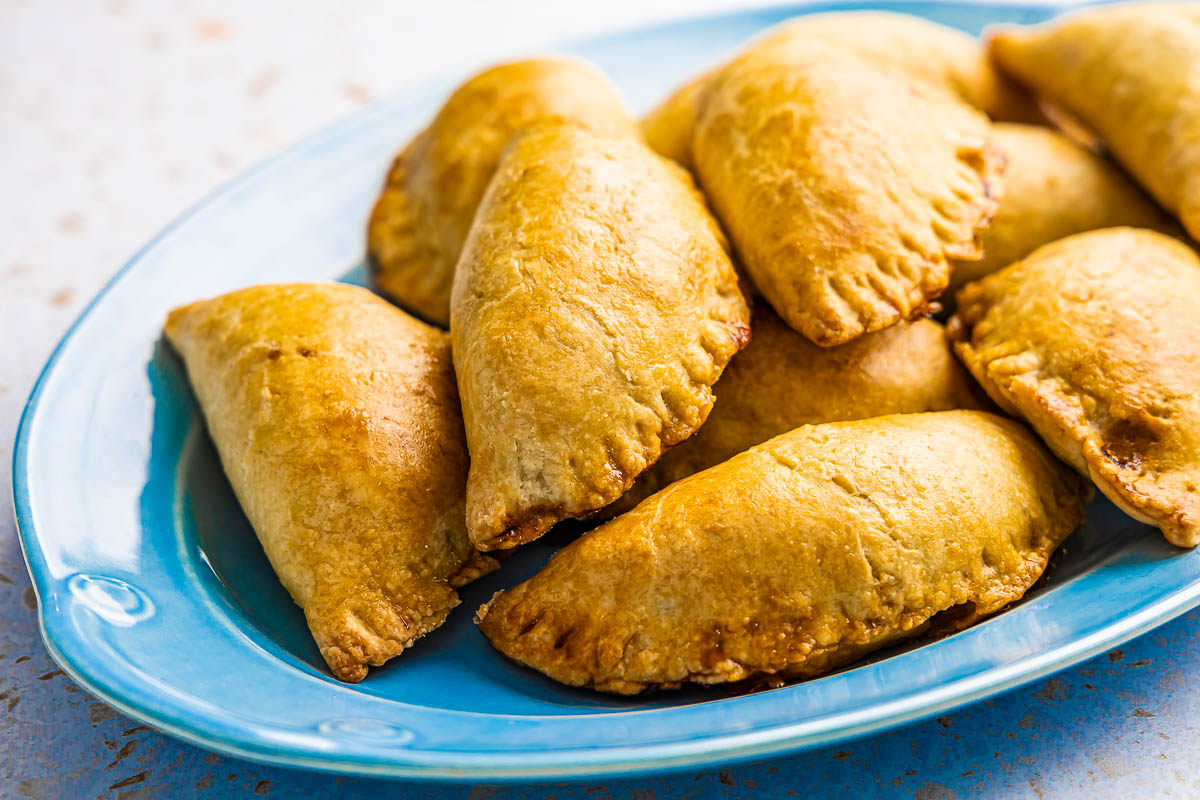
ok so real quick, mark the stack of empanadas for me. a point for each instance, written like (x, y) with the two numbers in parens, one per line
(421, 219)
(786, 489)
(1130, 73)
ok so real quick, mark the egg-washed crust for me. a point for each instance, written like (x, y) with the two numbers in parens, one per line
(1095, 340)
(845, 188)
(669, 126)
(797, 556)
(594, 307)
(1054, 188)
(782, 381)
(1132, 74)
(422, 216)
(337, 422)
(918, 48)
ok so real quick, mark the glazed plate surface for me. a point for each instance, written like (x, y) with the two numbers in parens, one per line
(156, 597)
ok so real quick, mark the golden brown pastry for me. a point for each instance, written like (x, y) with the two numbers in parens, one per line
(594, 307)
(669, 126)
(782, 381)
(337, 422)
(921, 49)
(797, 556)
(916, 47)
(1132, 74)
(421, 219)
(1053, 188)
(1095, 340)
(845, 188)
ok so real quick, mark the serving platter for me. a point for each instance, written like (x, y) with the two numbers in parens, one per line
(156, 597)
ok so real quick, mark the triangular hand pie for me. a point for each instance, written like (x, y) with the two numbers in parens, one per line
(1095, 340)
(916, 47)
(421, 219)
(782, 381)
(845, 188)
(1132, 74)
(797, 556)
(1053, 188)
(337, 421)
(594, 307)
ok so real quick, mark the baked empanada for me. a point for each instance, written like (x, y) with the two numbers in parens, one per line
(797, 556)
(782, 381)
(594, 307)
(421, 219)
(337, 421)
(1132, 74)
(845, 188)
(1053, 188)
(916, 47)
(922, 49)
(669, 126)
(1095, 340)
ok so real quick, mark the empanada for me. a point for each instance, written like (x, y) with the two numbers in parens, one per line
(421, 219)
(916, 47)
(1132, 74)
(1053, 188)
(594, 307)
(782, 381)
(919, 48)
(337, 421)
(797, 556)
(845, 188)
(669, 126)
(1095, 340)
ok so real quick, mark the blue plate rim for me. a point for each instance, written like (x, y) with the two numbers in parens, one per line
(580, 763)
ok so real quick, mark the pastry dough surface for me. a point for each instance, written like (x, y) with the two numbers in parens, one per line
(336, 419)
(669, 126)
(919, 48)
(797, 556)
(594, 307)
(1053, 188)
(1095, 340)
(782, 381)
(421, 218)
(845, 188)
(916, 47)
(1132, 74)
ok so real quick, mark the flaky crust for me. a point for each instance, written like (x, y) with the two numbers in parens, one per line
(1095, 340)
(594, 307)
(421, 218)
(782, 381)
(669, 126)
(337, 422)
(920, 49)
(845, 188)
(1132, 74)
(1053, 188)
(916, 47)
(797, 556)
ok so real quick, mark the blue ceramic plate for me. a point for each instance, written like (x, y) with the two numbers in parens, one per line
(156, 597)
